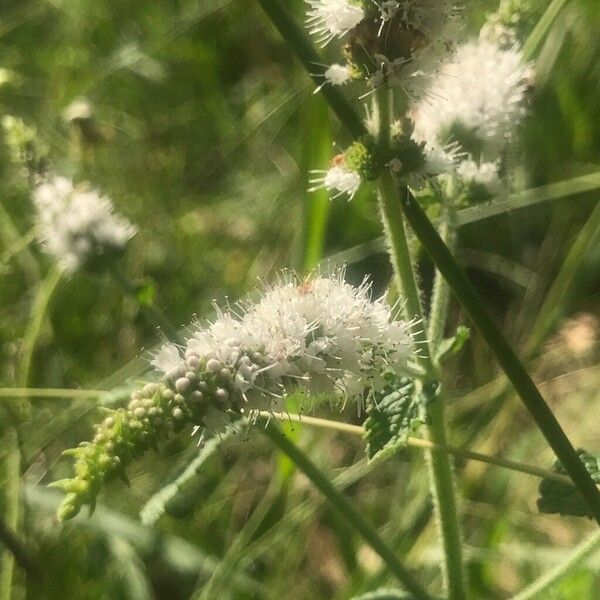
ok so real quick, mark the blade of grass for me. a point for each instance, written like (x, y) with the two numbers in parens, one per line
(540, 588)
(12, 502)
(346, 509)
(414, 442)
(36, 320)
(316, 155)
(541, 29)
(473, 214)
(555, 300)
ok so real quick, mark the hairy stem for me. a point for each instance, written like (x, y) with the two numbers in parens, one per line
(443, 489)
(539, 589)
(346, 510)
(440, 467)
(395, 234)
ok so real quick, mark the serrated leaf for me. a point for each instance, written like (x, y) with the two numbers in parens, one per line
(393, 415)
(453, 345)
(384, 594)
(562, 498)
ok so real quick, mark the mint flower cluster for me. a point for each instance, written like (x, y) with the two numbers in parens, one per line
(459, 101)
(319, 335)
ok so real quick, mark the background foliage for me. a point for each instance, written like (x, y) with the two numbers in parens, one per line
(203, 132)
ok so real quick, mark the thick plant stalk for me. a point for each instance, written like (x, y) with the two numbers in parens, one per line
(346, 510)
(506, 356)
(539, 589)
(440, 467)
(442, 478)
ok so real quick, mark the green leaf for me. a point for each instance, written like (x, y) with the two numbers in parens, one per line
(384, 594)
(451, 346)
(393, 415)
(562, 498)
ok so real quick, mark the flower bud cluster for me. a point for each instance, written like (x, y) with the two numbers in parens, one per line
(320, 335)
(78, 226)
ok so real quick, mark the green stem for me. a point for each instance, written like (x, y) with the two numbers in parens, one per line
(440, 295)
(506, 356)
(440, 466)
(12, 495)
(295, 36)
(7, 392)
(346, 509)
(541, 587)
(153, 315)
(13, 457)
(444, 495)
(395, 234)
(414, 442)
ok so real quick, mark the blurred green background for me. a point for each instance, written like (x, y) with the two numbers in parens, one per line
(202, 128)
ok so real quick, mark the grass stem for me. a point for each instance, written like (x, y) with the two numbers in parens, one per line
(539, 589)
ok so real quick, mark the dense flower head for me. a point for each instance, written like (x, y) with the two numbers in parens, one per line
(78, 226)
(480, 90)
(319, 335)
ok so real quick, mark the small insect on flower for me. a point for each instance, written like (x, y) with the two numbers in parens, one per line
(78, 226)
(337, 179)
(329, 19)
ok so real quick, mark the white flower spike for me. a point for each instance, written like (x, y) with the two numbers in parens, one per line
(321, 334)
